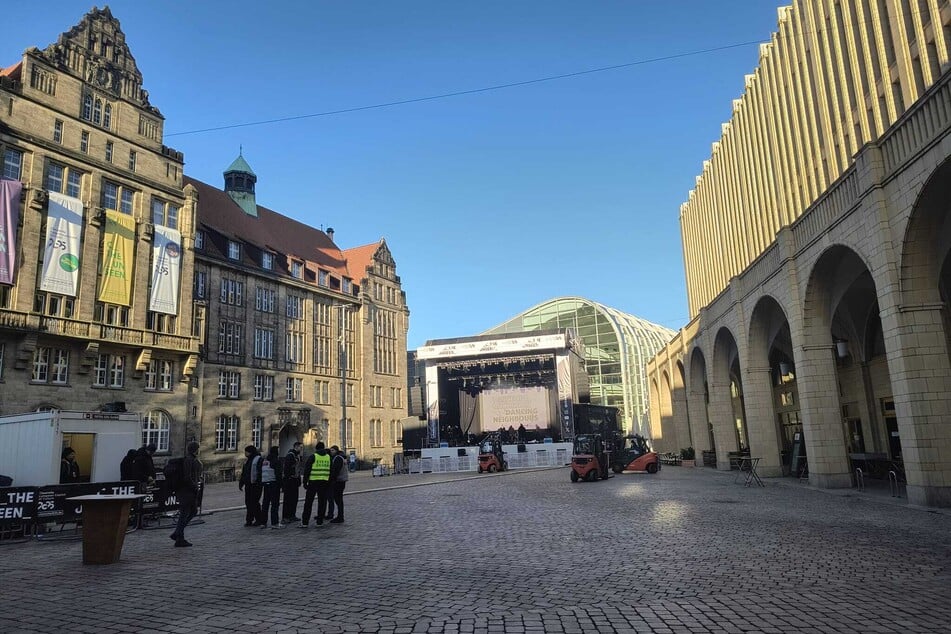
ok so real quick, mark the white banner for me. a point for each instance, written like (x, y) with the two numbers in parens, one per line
(64, 227)
(511, 407)
(166, 270)
(520, 342)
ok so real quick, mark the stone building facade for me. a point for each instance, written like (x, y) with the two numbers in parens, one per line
(121, 287)
(301, 340)
(94, 211)
(816, 249)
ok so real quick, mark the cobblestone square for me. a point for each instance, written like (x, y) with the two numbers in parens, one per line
(683, 551)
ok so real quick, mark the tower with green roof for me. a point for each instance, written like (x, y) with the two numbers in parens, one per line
(239, 185)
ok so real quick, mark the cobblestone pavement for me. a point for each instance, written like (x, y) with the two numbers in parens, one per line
(682, 551)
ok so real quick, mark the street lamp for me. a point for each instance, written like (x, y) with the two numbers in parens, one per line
(342, 356)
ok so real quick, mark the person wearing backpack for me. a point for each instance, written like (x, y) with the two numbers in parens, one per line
(291, 469)
(339, 474)
(184, 478)
(271, 482)
(250, 483)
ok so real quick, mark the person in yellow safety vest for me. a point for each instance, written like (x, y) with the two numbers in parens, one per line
(316, 482)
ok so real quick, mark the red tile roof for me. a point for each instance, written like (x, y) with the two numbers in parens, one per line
(361, 258)
(270, 231)
(12, 71)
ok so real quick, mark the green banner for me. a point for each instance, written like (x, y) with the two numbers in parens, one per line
(117, 259)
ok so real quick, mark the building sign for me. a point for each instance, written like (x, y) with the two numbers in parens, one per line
(166, 270)
(502, 408)
(493, 346)
(9, 219)
(118, 247)
(64, 227)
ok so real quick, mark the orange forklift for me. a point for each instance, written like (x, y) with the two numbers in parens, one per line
(591, 457)
(491, 456)
(632, 453)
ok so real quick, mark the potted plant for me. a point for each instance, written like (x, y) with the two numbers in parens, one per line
(687, 457)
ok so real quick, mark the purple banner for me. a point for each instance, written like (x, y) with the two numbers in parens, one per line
(9, 218)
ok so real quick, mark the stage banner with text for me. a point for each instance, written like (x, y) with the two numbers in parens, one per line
(166, 270)
(9, 219)
(64, 229)
(118, 247)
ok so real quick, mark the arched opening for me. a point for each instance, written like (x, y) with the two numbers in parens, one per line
(289, 434)
(698, 402)
(780, 421)
(157, 428)
(668, 438)
(656, 428)
(680, 409)
(729, 417)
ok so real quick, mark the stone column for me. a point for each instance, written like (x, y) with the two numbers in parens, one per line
(697, 410)
(821, 417)
(761, 421)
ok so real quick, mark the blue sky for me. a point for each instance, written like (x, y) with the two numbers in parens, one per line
(490, 202)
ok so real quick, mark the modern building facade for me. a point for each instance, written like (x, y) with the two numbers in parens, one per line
(302, 340)
(125, 283)
(617, 347)
(815, 249)
(95, 239)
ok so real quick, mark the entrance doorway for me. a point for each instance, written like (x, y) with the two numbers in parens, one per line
(83, 445)
(288, 436)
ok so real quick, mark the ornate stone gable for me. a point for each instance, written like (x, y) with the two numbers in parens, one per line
(383, 255)
(95, 50)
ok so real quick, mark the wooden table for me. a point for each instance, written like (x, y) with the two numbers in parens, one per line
(105, 519)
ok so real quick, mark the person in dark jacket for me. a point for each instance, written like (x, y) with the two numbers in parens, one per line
(144, 467)
(291, 484)
(187, 493)
(271, 477)
(339, 474)
(68, 469)
(250, 483)
(127, 466)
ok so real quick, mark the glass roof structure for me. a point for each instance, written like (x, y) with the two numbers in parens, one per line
(617, 347)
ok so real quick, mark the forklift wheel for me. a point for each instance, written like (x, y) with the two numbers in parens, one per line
(492, 468)
(593, 475)
(652, 467)
(480, 469)
(505, 466)
(574, 475)
(617, 468)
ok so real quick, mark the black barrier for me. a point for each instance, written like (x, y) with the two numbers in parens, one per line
(160, 505)
(55, 511)
(17, 513)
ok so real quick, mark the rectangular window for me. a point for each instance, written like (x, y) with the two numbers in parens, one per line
(294, 307)
(53, 305)
(346, 433)
(229, 384)
(109, 371)
(111, 314)
(84, 142)
(199, 239)
(161, 322)
(109, 151)
(12, 163)
(257, 431)
(158, 376)
(132, 157)
(396, 432)
(322, 278)
(164, 214)
(376, 396)
(265, 299)
(232, 292)
(349, 394)
(230, 338)
(297, 270)
(50, 365)
(201, 279)
(347, 286)
(3, 348)
(267, 260)
(263, 387)
(263, 343)
(57, 131)
(295, 387)
(117, 197)
(376, 433)
(385, 348)
(226, 433)
(234, 250)
(396, 397)
(322, 392)
(294, 347)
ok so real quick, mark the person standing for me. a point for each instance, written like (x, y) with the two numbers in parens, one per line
(291, 472)
(68, 468)
(127, 467)
(316, 482)
(271, 483)
(339, 474)
(143, 467)
(250, 483)
(187, 493)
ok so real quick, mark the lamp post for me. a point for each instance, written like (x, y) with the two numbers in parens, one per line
(342, 356)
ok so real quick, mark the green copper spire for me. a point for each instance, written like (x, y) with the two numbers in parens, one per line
(239, 185)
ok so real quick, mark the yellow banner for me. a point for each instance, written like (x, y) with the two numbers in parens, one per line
(117, 259)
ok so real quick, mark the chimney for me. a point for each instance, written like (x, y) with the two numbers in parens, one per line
(330, 233)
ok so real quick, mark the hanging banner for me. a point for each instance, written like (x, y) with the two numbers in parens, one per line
(166, 270)
(118, 245)
(9, 219)
(64, 227)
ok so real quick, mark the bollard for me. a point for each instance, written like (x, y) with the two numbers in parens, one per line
(859, 479)
(893, 484)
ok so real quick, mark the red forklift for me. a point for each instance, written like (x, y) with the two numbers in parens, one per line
(491, 456)
(590, 457)
(632, 453)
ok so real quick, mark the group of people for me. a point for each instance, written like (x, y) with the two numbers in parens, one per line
(266, 478)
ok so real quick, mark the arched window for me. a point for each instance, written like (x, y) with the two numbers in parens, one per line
(87, 108)
(107, 116)
(97, 112)
(155, 429)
